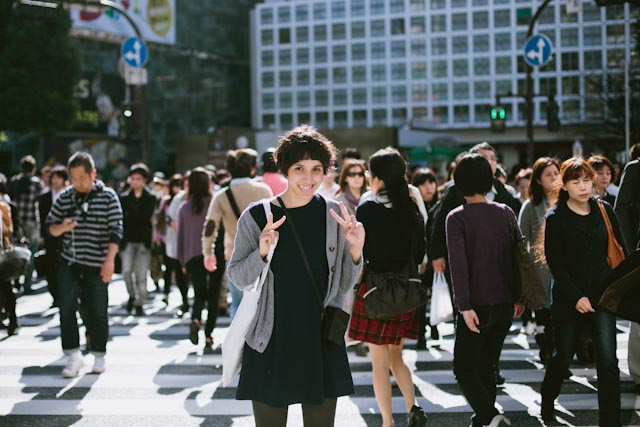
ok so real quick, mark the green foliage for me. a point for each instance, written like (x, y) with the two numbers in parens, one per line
(39, 67)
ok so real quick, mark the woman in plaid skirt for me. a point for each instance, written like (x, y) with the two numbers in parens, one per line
(392, 222)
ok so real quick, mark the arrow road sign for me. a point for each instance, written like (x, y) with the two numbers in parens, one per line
(134, 52)
(537, 50)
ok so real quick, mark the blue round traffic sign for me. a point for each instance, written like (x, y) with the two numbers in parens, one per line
(134, 52)
(537, 50)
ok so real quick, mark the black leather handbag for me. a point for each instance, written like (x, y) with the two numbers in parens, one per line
(391, 294)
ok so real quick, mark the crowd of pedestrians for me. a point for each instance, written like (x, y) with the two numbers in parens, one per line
(334, 226)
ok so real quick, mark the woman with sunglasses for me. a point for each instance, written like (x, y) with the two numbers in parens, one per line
(353, 184)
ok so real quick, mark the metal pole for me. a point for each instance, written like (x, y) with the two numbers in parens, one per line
(529, 93)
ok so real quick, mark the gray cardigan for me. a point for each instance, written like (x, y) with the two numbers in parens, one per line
(246, 264)
(530, 220)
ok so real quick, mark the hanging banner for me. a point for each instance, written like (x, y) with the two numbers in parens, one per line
(156, 20)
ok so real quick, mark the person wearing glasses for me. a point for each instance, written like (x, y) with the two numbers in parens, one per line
(353, 184)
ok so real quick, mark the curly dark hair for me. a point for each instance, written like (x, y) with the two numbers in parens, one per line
(304, 142)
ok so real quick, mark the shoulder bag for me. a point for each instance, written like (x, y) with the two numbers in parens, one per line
(14, 260)
(615, 253)
(334, 320)
(233, 344)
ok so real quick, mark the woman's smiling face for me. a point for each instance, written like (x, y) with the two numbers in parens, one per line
(305, 176)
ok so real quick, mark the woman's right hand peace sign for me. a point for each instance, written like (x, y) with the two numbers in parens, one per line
(269, 234)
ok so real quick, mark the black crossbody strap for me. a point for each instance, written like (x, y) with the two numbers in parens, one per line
(232, 202)
(304, 255)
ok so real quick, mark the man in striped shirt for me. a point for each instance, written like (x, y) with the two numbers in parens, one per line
(88, 216)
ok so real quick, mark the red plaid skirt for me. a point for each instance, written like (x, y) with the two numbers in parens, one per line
(374, 331)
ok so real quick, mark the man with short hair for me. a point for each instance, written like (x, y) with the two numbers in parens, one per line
(88, 216)
(138, 205)
(24, 190)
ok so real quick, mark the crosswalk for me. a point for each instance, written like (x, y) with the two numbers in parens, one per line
(155, 376)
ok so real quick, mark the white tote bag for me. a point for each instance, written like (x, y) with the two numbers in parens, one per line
(233, 344)
(441, 307)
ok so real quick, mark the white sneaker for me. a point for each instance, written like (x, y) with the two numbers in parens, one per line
(73, 366)
(99, 364)
(498, 420)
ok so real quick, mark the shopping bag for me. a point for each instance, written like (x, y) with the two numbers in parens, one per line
(441, 309)
(233, 344)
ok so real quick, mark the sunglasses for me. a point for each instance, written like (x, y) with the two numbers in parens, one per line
(353, 174)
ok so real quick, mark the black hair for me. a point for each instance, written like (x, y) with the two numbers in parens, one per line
(351, 153)
(422, 175)
(141, 169)
(199, 188)
(59, 171)
(83, 159)
(268, 164)
(598, 162)
(634, 152)
(473, 175)
(482, 146)
(304, 142)
(27, 164)
(240, 163)
(536, 192)
(389, 166)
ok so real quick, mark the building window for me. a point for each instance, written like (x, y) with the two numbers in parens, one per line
(379, 117)
(481, 90)
(322, 98)
(286, 121)
(480, 2)
(549, 85)
(321, 76)
(571, 110)
(285, 78)
(593, 60)
(481, 43)
(322, 120)
(359, 74)
(376, 7)
(266, 16)
(481, 66)
(268, 101)
(302, 12)
(320, 55)
(399, 116)
(418, 47)
(302, 77)
(502, 18)
(503, 65)
(591, 12)
(302, 34)
(570, 61)
(461, 114)
(438, 4)
(320, 33)
(268, 79)
(503, 41)
(284, 57)
(419, 93)
(569, 37)
(360, 118)
(284, 36)
(460, 67)
(357, 7)
(339, 31)
(339, 75)
(548, 16)
(378, 50)
(398, 49)
(360, 96)
(339, 53)
(418, 70)
(377, 28)
(418, 25)
(319, 11)
(267, 58)
(439, 68)
(398, 71)
(399, 94)
(284, 14)
(357, 30)
(441, 114)
(440, 92)
(302, 55)
(358, 51)
(338, 10)
(571, 85)
(397, 26)
(482, 113)
(592, 36)
(460, 44)
(439, 46)
(459, 3)
(339, 97)
(304, 117)
(615, 34)
(593, 109)
(379, 95)
(461, 91)
(286, 100)
(379, 72)
(417, 5)
(397, 6)
(438, 23)
(304, 99)
(503, 86)
(480, 20)
(459, 21)
(268, 121)
(419, 112)
(266, 37)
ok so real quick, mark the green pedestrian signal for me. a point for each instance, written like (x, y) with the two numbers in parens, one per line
(498, 116)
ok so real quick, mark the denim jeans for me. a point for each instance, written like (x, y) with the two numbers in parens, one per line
(602, 327)
(206, 290)
(135, 265)
(74, 280)
(475, 355)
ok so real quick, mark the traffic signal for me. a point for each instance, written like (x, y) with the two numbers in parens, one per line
(553, 121)
(498, 117)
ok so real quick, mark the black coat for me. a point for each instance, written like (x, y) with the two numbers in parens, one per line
(577, 258)
(137, 216)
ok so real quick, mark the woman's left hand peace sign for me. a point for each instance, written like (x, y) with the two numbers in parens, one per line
(354, 230)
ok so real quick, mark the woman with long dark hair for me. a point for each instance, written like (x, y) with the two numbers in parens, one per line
(395, 234)
(191, 218)
(575, 248)
(353, 184)
(542, 190)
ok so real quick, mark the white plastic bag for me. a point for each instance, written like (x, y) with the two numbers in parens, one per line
(441, 309)
(233, 344)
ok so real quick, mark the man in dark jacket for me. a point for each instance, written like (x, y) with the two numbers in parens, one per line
(138, 205)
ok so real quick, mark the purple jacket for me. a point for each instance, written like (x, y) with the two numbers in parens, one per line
(190, 227)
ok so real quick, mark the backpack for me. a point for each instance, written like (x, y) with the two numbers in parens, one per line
(20, 186)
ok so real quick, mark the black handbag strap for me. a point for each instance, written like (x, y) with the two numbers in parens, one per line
(232, 202)
(302, 252)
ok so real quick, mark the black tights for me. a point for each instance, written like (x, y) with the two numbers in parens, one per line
(322, 415)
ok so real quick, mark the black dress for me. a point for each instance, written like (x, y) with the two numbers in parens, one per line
(297, 366)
